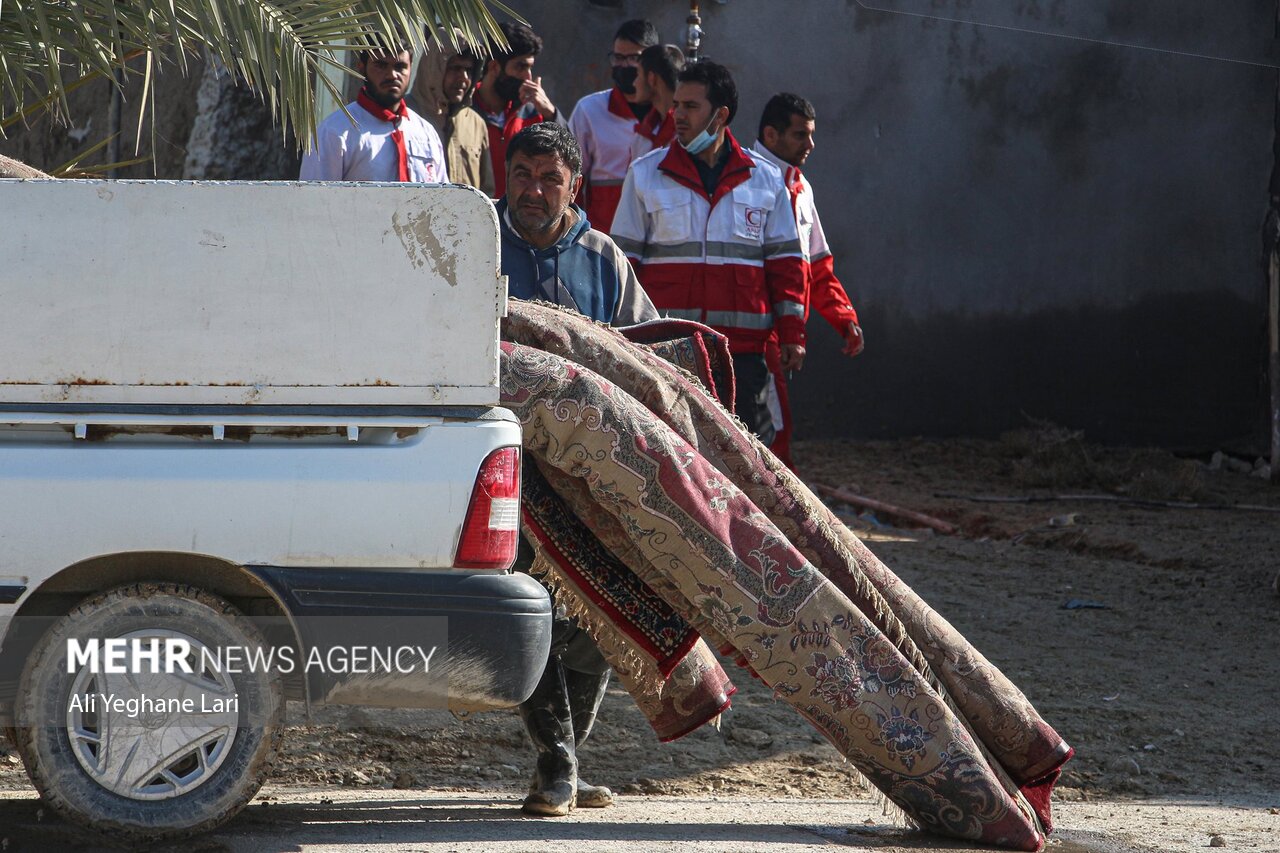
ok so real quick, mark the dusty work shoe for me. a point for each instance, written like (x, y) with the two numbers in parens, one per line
(553, 792)
(546, 715)
(593, 796)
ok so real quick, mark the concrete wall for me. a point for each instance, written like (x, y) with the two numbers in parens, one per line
(1026, 224)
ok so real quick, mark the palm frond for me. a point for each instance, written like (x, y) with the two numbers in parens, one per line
(274, 46)
(73, 169)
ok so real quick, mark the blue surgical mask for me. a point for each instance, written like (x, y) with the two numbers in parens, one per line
(702, 141)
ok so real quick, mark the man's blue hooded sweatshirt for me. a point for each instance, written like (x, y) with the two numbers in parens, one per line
(584, 271)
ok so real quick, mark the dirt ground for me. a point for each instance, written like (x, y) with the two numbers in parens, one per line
(1165, 680)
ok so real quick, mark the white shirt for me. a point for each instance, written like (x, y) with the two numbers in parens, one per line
(364, 151)
(605, 137)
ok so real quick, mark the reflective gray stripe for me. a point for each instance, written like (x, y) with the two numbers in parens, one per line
(740, 319)
(741, 251)
(714, 249)
(820, 256)
(631, 247)
(788, 309)
(720, 249)
(787, 247)
(683, 314)
(606, 182)
(673, 250)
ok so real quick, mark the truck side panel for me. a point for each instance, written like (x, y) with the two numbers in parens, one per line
(395, 499)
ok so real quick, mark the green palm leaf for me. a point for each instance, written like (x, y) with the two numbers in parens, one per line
(274, 46)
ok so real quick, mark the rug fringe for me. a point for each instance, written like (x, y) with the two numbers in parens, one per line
(624, 658)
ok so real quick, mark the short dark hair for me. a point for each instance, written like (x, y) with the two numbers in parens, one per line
(721, 90)
(383, 46)
(638, 31)
(665, 60)
(521, 41)
(547, 137)
(778, 112)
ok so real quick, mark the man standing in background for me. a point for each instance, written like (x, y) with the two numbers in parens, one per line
(509, 97)
(659, 66)
(442, 94)
(382, 139)
(605, 123)
(711, 232)
(786, 140)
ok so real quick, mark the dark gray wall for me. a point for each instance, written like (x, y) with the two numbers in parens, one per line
(1026, 224)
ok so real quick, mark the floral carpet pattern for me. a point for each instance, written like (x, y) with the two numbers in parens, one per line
(647, 461)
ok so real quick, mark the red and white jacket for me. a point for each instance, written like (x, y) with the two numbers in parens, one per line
(732, 261)
(826, 293)
(608, 134)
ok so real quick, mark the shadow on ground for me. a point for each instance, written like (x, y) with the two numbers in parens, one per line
(476, 821)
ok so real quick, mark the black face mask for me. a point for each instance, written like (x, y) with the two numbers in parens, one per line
(508, 87)
(624, 77)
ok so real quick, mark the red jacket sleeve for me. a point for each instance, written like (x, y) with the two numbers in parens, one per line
(785, 271)
(827, 295)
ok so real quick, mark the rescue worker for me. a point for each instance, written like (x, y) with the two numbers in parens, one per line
(605, 123)
(659, 66)
(711, 233)
(509, 98)
(441, 94)
(786, 140)
(551, 252)
(382, 139)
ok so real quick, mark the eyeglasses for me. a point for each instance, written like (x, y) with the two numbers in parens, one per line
(623, 58)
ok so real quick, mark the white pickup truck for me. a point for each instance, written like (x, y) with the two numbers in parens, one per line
(250, 450)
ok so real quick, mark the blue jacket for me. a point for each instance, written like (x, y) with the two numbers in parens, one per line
(584, 271)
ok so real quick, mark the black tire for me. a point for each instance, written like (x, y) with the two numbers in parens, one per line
(50, 756)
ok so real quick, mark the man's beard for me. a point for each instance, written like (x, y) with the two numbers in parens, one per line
(535, 221)
(507, 87)
(382, 99)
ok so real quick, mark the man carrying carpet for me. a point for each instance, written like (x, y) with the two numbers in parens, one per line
(551, 253)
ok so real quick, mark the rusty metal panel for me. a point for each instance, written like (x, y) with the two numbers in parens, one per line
(238, 292)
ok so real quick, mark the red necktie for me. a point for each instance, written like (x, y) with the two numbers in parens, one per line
(794, 185)
(397, 136)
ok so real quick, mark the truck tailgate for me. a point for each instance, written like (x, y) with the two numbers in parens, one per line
(370, 294)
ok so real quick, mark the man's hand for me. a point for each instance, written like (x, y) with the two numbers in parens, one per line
(531, 92)
(853, 340)
(792, 356)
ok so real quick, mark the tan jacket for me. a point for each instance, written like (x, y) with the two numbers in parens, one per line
(462, 129)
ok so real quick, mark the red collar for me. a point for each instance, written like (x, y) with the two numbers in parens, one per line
(658, 129)
(792, 177)
(619, 106)
(678, 165)
(380, 112)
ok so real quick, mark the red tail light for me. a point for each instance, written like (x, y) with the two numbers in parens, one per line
(493, 518)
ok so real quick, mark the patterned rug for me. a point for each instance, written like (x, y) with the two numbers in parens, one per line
(693, 347)
(647, 461)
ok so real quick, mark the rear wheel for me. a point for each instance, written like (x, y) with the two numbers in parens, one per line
(148, 755)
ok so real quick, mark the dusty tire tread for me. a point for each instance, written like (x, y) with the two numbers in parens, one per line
(259, 771)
